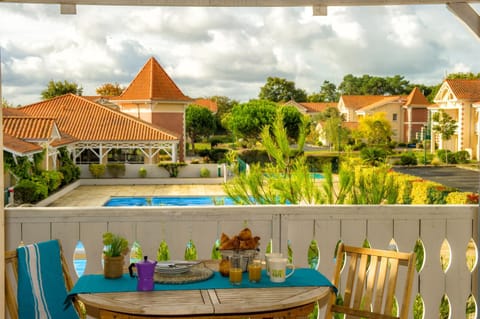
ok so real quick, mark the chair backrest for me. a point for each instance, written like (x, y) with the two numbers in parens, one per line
(12, 274)
(370, 286)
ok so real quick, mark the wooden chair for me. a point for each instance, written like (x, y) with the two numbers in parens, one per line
(11, 281)
(370, 285)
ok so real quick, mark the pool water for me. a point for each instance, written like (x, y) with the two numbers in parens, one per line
(169, 201)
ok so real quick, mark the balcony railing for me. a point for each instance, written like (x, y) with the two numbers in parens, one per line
(448, 233)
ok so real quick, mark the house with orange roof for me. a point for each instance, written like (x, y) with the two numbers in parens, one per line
(407, 115)
(311, 108)
(460, 98)
(97, 134)
(209, 104)
(153, 96)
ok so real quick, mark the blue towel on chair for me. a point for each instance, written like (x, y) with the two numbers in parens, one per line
(41, 291)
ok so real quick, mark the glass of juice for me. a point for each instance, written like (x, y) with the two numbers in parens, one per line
(255, 271)
(236, 271)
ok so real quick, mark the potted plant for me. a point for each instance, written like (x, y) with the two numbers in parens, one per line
(116, 247)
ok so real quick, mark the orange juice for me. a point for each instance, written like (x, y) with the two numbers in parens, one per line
(235, 276)
(254, 272)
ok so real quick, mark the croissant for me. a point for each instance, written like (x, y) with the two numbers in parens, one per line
(224, 238)
(245, 234)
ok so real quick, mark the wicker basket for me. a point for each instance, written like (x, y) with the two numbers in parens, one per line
(247, 256)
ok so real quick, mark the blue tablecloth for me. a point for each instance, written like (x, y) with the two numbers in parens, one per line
(303, 277)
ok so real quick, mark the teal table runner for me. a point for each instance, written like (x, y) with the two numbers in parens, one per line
(303, 277)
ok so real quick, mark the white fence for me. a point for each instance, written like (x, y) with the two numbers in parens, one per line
(434, 225)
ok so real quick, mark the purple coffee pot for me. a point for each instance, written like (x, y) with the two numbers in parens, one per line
(145, 272)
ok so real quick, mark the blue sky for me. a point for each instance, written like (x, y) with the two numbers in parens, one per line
(228, 51)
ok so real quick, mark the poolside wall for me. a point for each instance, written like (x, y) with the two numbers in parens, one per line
(153, 171)
(282, 224)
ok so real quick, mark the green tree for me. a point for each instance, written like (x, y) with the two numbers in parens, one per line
(375, 128)
(5, 103)
(247, 119)
(444, 125)
(328, 93)
(280, 90)
(285, 179)
(374, 85)
(60, 88)
(199, 122)
(110, 89)
(292, 121)
(224, 108)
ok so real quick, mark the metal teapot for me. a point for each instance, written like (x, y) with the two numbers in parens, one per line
(145, 274)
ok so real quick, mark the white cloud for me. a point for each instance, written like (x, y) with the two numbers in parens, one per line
(227, 51)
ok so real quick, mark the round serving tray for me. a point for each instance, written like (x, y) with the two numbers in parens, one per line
(196, 273)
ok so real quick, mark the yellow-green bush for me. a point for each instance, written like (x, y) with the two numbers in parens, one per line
(462, 198)
(420, 191)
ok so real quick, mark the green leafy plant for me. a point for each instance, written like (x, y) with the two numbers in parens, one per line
(204, 172)
(115, 245)
(142, 172)
(97, 170)
(172, 168)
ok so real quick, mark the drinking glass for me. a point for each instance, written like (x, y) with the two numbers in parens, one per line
(236, 271)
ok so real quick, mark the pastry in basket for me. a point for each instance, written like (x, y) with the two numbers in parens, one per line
(244, 241)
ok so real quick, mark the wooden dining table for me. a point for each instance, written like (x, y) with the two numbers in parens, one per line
(241, 302)
(288, 302)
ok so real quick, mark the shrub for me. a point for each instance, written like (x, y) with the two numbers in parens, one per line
(53, 180)
(408, 158)
(97, 170)
(450, 156)
(116, 169)
(436, 161)
(142, 172)
(172, 168)
(70, 173)
(373, 156)
(461, 157)
(204, 172)
(28, 191)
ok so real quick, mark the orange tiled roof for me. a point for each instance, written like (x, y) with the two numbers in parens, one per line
(465, 89)
(152, 83)
(384, 100)
(207, 103)
(89, 121)
(15, 145)
(356, 102)
(416, 98)
(29, 128)
(318, 106)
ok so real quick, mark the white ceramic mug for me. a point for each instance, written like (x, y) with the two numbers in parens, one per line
(267, 257)
(278, 269)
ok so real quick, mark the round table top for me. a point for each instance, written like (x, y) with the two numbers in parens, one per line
(205, 302)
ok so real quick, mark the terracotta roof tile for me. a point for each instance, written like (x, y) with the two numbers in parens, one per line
(465, 89)
(356, 102)
(318, 106)
(383, 101)
(29, 128)
(207, 103)
(89, 121)
(15, 145)
(152, 83)
(416, 98)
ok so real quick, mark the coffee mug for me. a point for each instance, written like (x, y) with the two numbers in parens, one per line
(267, 257)
(278, 269)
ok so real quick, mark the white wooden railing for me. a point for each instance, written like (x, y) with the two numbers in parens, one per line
(434, 225)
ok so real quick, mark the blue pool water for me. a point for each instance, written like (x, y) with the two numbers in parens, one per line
(169, 201)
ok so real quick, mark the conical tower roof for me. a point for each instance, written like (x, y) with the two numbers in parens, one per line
(152, 83)
(416, 98)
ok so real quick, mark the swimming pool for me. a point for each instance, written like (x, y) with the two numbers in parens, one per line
(169, 201)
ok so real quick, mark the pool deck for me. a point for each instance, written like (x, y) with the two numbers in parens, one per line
(97, 195)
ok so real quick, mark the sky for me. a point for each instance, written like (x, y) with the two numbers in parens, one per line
(228, 51)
